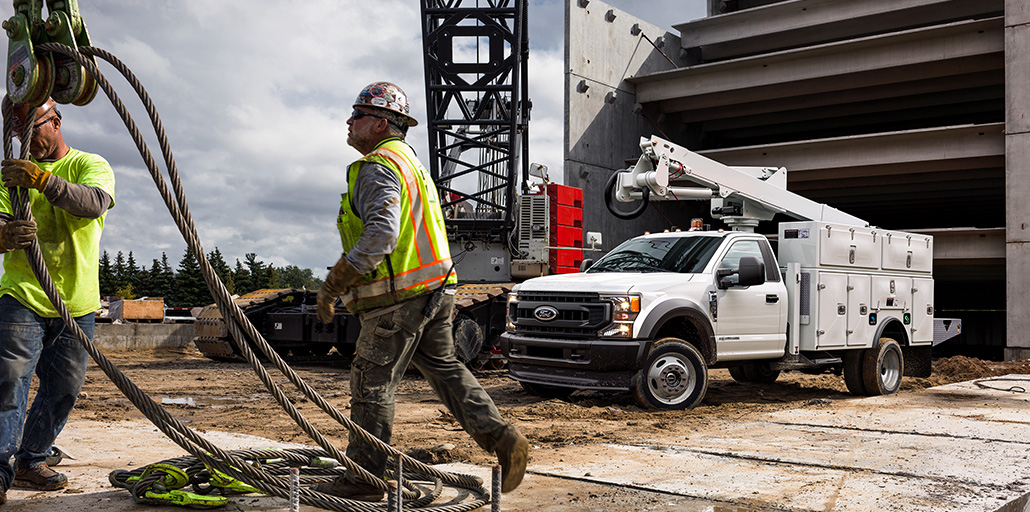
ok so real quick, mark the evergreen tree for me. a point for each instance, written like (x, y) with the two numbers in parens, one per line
(259, 275)
(221, 269)
(141, 282)
(106, 276)
(162, 280)
(120, 277)
(132, 275)
(272, 276)
(190, 289)
(241, 277)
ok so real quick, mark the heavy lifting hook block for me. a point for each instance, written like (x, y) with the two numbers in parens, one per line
(33, 76)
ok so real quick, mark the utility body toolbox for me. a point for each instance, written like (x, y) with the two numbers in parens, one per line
(842, 279)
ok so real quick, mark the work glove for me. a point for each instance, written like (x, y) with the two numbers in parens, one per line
(17, 234)
(23, 173)
(337, 283)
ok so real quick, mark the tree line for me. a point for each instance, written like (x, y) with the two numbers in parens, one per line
(185, 286)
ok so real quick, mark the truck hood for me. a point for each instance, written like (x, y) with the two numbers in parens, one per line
(607, 282)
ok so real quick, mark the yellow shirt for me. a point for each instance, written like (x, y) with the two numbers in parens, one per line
(70, 244)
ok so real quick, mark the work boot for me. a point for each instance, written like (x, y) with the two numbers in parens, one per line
(343, 488)
(512, 452)
(40, 477)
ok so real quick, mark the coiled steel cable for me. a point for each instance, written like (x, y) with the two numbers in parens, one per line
(179, 433)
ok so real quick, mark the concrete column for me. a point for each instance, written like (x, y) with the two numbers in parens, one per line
(1017, 178)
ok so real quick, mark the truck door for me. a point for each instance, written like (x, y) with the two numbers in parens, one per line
(751, 321)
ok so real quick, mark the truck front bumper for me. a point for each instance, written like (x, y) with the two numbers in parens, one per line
(578, 363)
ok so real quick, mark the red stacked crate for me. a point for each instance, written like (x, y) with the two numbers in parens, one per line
(566, 205)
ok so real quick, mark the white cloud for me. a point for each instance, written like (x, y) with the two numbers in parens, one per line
(254, 95)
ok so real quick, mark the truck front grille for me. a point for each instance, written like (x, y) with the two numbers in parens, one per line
(578, 314)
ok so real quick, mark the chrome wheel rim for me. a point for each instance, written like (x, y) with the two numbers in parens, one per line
(671, 379)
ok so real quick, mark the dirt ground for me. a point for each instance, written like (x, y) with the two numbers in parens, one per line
(229, 397)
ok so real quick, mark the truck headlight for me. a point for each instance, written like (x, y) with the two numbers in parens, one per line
(511, 312)
(625, 309)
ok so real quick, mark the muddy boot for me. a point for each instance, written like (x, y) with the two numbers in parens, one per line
(343, 488)
(40, 477)
(512, 452)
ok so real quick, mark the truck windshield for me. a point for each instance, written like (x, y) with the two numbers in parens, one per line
(683, 254)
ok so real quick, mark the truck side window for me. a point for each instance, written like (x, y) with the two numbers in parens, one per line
(738, 250)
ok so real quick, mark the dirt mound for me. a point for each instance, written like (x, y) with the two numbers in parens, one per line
(962, 368)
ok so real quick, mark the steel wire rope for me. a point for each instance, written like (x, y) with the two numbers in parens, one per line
(461, 481)
(189, 233)
(147, 406)
(156, 415)
(152, 171)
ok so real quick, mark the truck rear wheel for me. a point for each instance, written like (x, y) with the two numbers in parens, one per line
(674, 377)
(853, 372)
(754, 372)
(882, 366)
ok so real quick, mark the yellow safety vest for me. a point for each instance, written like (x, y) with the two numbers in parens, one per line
(422, 260)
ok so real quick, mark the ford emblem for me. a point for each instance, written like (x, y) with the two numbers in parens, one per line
(545, 313)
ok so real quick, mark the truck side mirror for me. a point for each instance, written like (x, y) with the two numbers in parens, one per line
(585, 264)
(751, 271)
(721, 276)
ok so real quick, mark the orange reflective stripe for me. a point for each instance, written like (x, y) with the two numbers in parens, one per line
(417, 213)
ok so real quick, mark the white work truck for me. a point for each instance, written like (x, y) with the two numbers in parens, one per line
(654, 314)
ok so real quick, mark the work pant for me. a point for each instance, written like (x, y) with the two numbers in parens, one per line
(385, 346)
(30, 342)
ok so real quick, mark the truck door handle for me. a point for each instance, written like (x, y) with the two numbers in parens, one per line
(772, 298)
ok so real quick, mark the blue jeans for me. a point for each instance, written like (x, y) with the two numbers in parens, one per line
(30, 342)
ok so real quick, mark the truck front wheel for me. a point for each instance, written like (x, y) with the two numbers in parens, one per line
(674, 377)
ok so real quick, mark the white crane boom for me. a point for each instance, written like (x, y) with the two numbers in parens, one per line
(740, 196)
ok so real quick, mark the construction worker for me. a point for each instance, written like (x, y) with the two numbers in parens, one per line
(69, 194)
(397, 277)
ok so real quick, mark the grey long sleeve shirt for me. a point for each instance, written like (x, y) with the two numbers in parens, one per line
(376, 199)
(86, 201)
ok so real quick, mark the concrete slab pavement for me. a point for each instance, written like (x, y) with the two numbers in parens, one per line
(960, 447)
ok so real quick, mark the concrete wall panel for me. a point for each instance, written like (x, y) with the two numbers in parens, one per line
(967, 244)
(601, 128)
(1017, 295)
(1017, 12)
(910, 147)
(807, 22)
(922, 53)
(133, 336)
(1017, 189)
(1017, 76)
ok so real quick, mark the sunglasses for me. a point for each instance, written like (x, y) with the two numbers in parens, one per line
(17, 124)
(358, 114)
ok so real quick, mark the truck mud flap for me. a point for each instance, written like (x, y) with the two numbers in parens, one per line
(918, 361)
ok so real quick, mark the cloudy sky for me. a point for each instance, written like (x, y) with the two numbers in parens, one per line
(254, 95)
